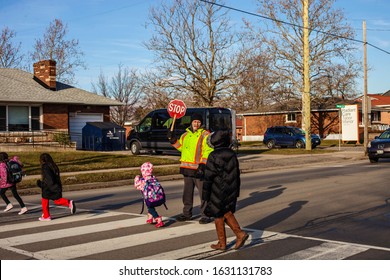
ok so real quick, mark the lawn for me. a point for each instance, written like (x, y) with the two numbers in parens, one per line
(73, 161)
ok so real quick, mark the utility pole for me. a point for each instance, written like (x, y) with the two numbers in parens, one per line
(306, 111)
(365, 96)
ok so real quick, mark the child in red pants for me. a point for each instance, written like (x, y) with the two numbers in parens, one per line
(51, 187)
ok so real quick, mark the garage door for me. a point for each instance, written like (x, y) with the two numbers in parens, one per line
(76, 124)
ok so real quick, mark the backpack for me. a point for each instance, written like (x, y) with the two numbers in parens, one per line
(153, 194)
(14, 172)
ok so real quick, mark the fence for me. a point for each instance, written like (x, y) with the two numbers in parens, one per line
(41, 138)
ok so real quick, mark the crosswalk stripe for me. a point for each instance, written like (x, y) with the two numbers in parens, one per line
(203, 251)
(325, 251)
(73, 231)
(69, 219)
(90, 248)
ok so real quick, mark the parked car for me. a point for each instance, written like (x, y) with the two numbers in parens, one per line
(288, 136)
(379, 147)
(151, 133)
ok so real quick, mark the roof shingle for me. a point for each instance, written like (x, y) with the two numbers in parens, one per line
(20, 87)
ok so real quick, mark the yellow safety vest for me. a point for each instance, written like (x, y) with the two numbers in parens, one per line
(193, 147)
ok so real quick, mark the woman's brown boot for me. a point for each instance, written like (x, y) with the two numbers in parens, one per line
(220, 227)
(241, 236)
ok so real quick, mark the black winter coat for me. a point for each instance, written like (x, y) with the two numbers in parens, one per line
(51, 183)
(221, 185)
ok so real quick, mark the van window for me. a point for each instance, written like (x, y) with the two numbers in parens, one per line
(146, 124)
(161, 120)
(184, 122)
(220, 122)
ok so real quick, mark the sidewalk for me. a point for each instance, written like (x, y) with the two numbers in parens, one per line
(253, 163)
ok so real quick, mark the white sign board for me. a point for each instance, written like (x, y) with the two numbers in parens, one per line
(350, 123)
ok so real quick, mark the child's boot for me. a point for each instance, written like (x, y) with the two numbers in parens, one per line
(159, 222)
(150, 219)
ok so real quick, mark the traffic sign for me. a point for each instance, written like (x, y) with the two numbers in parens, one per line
(340, 106)
(177, 109)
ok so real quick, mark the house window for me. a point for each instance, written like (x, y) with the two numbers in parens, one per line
(3, 118)
(35, 116)
(376, 116)
(19, 118)
(291, 117)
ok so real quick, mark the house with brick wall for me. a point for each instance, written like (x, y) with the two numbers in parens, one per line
(254, 125)
(324, 122)
(36, 104)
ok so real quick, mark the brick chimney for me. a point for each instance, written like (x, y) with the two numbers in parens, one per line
(45, 73)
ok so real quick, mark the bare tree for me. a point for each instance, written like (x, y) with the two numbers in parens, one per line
(125, 87)
(195, 49)
(155, 93)
(330, 47)
(55, 46)
(10, 56)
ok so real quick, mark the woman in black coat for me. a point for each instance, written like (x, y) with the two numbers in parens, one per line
(51, 187)
(221, 189)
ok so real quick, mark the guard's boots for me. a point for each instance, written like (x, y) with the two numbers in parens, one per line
(220, 227)
(241, 236)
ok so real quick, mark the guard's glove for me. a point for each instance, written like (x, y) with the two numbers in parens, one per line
(39, 183)
(200, 171)
(171, 137)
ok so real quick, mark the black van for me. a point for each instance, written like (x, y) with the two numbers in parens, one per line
(151, 133)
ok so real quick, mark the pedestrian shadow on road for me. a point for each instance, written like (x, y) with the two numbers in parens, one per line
(278, 216)
(257, 197)
(116, 206)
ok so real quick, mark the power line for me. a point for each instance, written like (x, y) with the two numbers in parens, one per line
(295, 25)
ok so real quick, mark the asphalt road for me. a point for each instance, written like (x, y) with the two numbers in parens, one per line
(335, 211)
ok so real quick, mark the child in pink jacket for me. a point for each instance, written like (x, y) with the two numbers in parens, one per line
(140, 184)
(4, 186)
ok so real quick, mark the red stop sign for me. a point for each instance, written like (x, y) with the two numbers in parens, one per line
(177, 109)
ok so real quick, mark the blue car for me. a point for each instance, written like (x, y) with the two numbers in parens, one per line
(379, 147)
(288, 136)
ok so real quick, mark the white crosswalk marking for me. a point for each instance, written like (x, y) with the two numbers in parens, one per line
(203, 250)
(326, 251)
(70, 219)
(96, 247)
(73, 231)
(82, 225)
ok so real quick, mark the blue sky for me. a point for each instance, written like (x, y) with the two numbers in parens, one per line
(111, 32)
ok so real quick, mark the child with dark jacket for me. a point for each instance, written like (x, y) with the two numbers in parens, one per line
(51, 187)
(221, 189)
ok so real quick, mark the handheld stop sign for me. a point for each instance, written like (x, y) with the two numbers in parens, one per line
(176, 110)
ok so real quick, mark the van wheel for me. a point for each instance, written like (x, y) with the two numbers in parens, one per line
(271, 144)
(373, 160)
(135, 148)
(299, 144)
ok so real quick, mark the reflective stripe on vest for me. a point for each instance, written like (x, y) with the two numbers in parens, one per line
(191, 147)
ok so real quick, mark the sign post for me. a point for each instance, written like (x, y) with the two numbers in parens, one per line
(339, 106)
(176, 110)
